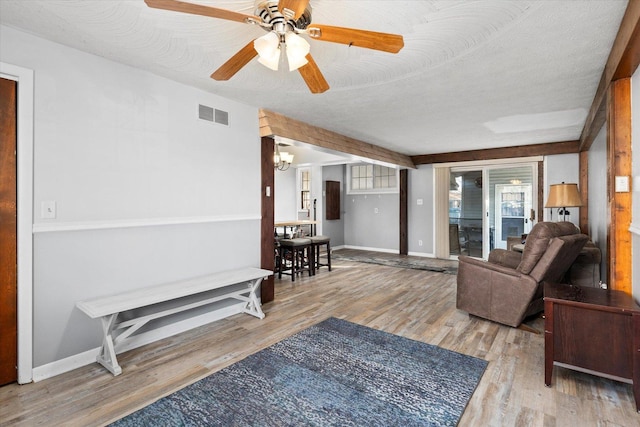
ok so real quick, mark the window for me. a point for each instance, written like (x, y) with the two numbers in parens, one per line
(305, 189)
(372, 179)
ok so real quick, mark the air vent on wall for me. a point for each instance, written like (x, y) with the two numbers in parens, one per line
(212, 115)
(222, 117)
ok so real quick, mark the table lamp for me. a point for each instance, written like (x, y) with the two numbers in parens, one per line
(563, 196)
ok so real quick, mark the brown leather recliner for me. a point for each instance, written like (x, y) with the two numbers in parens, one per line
(508, 287)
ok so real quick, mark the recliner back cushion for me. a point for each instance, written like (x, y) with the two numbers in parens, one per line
(561, 253)
(538, 242)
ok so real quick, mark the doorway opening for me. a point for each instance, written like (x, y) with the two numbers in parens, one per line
(490, 206)
(24, 140)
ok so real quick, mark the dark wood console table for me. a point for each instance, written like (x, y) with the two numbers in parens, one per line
(592, 330)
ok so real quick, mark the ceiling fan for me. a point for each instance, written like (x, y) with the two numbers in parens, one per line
(284, 20)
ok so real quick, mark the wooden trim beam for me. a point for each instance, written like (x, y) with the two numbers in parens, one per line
(619, 164)
(499, 153)
(275, 124)
(584, 191)
(404, 212)
(540, 192)
(622, 63)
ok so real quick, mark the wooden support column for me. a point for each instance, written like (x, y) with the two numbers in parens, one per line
(584, 191)
(267, 246)
(541, 200)
(404, 209)
(619, 164)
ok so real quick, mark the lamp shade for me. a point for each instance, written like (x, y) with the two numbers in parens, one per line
(563, 195)
(268, 48)
(297, 50)
(286, 157)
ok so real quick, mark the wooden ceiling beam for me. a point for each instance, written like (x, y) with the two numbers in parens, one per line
(623, 61)
(275, 124)
(499, 153)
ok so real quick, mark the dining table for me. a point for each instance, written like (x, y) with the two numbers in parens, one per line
(294, 224)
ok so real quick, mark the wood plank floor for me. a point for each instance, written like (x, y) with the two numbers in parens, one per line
(416, 304)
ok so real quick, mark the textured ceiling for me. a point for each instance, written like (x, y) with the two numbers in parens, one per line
(472, 74)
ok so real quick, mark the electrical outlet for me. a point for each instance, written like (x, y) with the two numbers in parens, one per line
(419, 202)
(375, 210)
(419, 242)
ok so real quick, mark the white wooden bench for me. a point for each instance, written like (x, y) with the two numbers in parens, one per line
(240, 284)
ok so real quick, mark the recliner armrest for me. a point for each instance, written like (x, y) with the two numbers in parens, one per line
(489, 265)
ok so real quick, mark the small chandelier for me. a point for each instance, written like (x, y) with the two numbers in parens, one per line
(282, 160)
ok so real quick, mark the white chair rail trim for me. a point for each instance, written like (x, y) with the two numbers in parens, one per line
(50, 227)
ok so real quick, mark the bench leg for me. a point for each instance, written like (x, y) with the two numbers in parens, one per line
(253, 305)
(107, 355)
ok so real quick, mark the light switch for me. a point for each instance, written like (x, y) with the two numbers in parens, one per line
(622, 184)
(48, 210)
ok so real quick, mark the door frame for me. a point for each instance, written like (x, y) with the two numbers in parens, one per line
(443, 208)
(25, 100)
(529, 204)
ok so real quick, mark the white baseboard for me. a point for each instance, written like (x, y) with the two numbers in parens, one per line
(388, 251)
(422, 254)
(64, 365)
(364, 248)
(85, 358)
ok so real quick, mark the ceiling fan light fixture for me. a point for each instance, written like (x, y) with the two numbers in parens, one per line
(268, 48)
(297, 50)
(284, 21)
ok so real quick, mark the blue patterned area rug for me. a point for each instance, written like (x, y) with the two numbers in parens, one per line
(335, 373)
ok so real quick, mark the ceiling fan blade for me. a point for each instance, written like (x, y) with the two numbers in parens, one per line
(313, 77)
(362, 38)
(198, 9)
(235, 63)
(292, 9)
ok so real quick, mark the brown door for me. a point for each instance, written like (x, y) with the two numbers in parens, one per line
(8, 234)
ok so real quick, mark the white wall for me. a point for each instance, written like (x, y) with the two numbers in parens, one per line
(317, 188)
(333, 228)
(285, 195)
(421, 217)
(368, 229)
(144, 190)
(598, 199)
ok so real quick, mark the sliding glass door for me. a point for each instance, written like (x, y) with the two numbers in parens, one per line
(511, 197)
(466, 223)
(490, 206)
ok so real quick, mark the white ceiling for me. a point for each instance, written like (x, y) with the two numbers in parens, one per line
(472, 74)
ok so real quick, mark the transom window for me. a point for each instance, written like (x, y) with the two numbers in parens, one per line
(365, 178)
